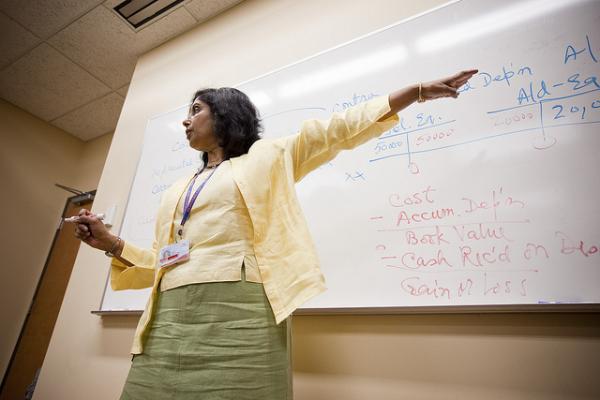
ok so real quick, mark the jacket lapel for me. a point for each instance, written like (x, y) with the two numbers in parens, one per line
(169, 206)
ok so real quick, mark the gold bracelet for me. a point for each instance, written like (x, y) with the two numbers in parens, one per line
(111, 252)
(420, 99)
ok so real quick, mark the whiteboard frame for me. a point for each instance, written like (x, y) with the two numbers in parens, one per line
(483, 309)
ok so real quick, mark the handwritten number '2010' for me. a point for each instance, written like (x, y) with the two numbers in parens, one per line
(574, 109)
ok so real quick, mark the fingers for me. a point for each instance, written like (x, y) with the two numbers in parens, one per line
(462, 77)
(86, 216)
(469, 72)
(447, 87)
(87, 219)
(447, 91)
(92, 231)
(82, 231)
(466, 74)
(453, 91)
(437, 90)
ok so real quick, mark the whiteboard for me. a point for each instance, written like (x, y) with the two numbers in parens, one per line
(486, 200)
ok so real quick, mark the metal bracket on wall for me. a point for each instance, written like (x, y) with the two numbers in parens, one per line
(81, 196)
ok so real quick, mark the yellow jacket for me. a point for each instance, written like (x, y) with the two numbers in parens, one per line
(266, 176)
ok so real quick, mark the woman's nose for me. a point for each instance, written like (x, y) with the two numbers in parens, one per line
(186, 122)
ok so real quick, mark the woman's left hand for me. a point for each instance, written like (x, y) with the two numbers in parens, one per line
(446, 87)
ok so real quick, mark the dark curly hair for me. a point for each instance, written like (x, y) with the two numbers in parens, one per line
(236, 120)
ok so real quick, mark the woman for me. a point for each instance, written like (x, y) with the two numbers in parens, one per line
(233, 257)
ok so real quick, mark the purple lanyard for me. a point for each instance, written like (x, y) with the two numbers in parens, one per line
(188, 204)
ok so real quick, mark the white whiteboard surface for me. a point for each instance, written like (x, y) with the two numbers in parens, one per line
(491, 199)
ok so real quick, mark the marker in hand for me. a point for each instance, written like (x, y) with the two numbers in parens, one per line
(75, 218)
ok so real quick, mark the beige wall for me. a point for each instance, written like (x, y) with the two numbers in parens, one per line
(33, 157)
(351, 357)
(91, 162)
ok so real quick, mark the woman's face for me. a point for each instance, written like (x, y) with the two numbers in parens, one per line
(199, 127)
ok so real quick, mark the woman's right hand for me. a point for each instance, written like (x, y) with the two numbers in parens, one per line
(93, 232)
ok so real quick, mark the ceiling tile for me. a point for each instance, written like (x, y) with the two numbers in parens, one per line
(94, 119)
(101, 43)
(47, 84)
(123, 91)
(106, 46)
(205, 9)
(14, 40)
(163, 29)
(45, 18)
(111, 3)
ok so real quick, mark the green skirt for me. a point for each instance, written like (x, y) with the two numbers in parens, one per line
(213, 341)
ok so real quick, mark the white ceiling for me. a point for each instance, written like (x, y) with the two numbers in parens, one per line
(69, 62)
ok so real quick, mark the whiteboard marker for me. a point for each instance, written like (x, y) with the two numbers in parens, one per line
(75, 218)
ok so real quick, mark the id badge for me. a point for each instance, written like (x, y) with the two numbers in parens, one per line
(174, 253)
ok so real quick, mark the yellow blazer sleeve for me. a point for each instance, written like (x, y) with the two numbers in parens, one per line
(320, 141)
(138, 276)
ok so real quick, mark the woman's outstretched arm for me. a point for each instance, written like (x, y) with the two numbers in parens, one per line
(446, 87)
